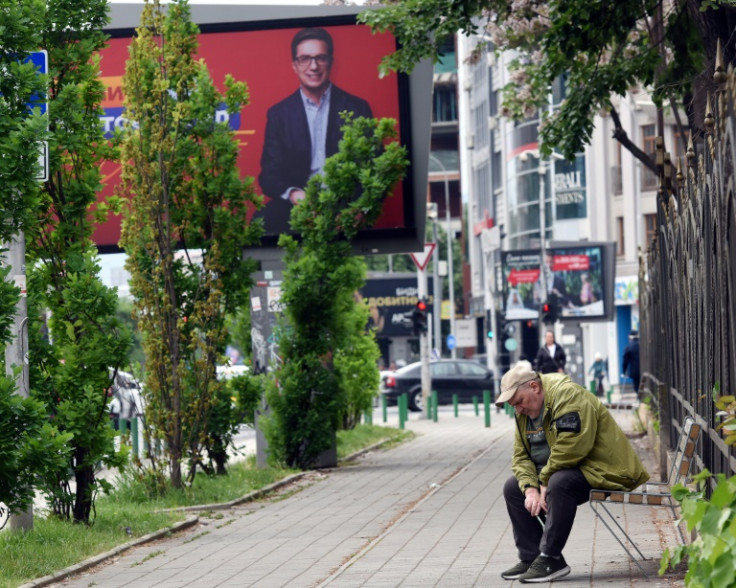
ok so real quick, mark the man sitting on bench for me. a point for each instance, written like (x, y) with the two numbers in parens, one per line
(566, 443)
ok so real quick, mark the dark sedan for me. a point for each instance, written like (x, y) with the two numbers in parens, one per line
(463, 377)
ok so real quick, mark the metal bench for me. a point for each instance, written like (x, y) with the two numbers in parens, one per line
(649, 494)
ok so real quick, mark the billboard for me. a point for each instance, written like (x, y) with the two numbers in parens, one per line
(254, 44)
(578, 274)
(391, 300)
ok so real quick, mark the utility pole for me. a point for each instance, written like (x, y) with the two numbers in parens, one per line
(16, 352)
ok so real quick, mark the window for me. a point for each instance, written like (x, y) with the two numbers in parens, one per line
(650, 221)
(620, 249)
(648, 145)
(444, 106)
(617, 186)
(679, 144)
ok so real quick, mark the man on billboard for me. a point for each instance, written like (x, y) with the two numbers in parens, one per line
(303, 129)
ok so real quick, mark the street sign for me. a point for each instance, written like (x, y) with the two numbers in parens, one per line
(41, 60)
(421, 259)
(451, 341)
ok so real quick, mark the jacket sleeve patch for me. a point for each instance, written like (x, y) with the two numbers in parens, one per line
(568, 423)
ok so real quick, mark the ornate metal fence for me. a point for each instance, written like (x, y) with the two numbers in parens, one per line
(687, 283)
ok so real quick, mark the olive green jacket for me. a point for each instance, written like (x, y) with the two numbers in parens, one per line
(581, 433)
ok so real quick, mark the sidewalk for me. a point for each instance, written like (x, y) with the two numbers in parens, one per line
(426, 513)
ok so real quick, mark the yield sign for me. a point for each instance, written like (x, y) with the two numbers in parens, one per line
(421, 259)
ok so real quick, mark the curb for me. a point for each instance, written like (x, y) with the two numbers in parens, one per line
(100, 558)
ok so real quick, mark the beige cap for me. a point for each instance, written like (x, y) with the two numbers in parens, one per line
(520, 374)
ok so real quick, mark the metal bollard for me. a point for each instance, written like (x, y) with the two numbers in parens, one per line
(428, 408)
(134, 434)
(368, 416)
(435, 402)
(609, 394)
(475, 405)
(454, 404)
(487, 407)
(592, 387)
(384, 407)
(402, 410)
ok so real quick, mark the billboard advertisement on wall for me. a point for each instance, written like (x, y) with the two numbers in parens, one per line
(391, 300)
(578, 274)
(272, 130)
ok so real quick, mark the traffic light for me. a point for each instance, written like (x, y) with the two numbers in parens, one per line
(547, 313)
(419, 317)
(550, 309)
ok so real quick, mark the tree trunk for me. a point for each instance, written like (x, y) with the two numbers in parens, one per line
(85, 480)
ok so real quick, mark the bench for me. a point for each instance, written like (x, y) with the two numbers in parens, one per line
(649, 494)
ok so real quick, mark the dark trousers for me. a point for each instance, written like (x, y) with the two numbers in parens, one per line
(567, 489)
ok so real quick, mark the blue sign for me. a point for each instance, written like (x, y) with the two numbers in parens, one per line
(41, 60)
(451, 341)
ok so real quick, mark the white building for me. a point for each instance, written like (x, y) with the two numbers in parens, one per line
(606, 195)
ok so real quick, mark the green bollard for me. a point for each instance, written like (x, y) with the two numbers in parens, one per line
(609, 394)
(475, 405)
(368, 417)
(435, 402)
(454, 404)
(428, 408)
(134, 434)
(592, 387)
(384, 407)
(402, 408)
(487, 407)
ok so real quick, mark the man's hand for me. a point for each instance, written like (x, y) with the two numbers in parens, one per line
(535, 501)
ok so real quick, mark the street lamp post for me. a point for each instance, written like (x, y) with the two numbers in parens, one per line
(451, 277)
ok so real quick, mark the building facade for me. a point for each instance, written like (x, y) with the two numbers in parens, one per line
(517, 201)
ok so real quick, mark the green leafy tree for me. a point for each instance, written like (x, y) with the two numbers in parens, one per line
(32, 450)
(599, 48)
(185, 228)
(355, 365)
(307, 398)
(73, 351)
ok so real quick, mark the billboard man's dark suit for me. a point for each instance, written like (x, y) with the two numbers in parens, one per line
(287, 150)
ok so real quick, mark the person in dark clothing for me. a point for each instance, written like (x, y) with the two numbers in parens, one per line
(630, 365)
(551, 357)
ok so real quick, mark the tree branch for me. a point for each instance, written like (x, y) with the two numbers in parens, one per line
(620, 135)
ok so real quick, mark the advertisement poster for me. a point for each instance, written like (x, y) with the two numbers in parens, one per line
(264, 58)
(574, 274)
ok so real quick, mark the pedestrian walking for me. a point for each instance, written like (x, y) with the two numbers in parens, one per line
(599, 371)
(630, 364)
(562, 449)
(551, 356)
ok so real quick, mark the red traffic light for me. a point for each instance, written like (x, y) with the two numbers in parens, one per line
(546, 307)
(421, 305)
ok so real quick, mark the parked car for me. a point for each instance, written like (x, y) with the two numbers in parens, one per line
(464, 377)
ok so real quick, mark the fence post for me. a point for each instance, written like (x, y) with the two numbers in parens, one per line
(664, 429)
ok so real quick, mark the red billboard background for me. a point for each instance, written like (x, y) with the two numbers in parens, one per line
(262, 58)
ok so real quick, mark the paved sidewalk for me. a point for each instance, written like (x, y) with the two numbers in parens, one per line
(426, 513)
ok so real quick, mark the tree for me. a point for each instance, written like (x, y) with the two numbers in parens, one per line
(600, 48)
(32, 450)
(75, 349)
(185, 228)
(321, 277)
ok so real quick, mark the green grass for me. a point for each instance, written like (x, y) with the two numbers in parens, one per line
(129, 513)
